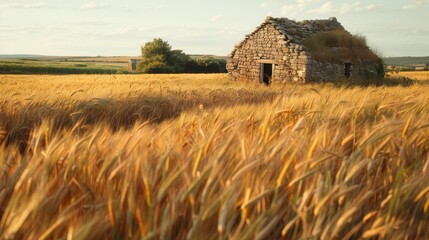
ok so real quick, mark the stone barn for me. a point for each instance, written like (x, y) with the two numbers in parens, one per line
(283, 50)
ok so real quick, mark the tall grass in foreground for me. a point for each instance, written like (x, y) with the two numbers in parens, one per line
(324, 163)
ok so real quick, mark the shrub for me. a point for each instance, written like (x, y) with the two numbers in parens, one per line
(206, 64)
(334, 46)
(157, 67)
(158, 57)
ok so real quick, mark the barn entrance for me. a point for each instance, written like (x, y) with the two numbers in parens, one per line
(267, 73)
(348, 69)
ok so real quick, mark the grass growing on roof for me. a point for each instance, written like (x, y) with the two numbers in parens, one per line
(335, 46)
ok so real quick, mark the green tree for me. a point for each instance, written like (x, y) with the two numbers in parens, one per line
(158, 57)
(206, 64)
(180, 60)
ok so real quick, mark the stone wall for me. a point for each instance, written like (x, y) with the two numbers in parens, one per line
(267, 45)
(328, 72)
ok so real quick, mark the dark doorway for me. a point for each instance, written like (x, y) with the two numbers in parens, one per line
(267, 73)
(348, 69)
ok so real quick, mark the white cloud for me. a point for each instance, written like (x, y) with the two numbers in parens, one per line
(297, 7)
(328, 7)
(152, 6)
(343, 8)
(143, 7)
(35, 5)
(373, 6)
(26, 6)
(34, 28)
(91, 22)
(291, 9)
(414, 4)
(264, 4)
(93, 5)
(307, 1)
(215, 18)
(119, 32)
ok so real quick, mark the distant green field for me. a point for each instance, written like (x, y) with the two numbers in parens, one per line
(38, 64)
(61, 66)
(196, 56)
(406, 61)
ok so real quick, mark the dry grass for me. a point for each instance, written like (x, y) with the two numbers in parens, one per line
(335, 46)
(414, 75)
(292, 162)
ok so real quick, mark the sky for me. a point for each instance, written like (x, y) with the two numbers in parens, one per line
(120, 28)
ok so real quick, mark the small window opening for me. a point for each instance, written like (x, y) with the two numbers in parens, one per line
(267, 73)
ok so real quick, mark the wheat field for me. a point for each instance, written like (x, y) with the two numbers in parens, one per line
(203, 157)
(414, 75)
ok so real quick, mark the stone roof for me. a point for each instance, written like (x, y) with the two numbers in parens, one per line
(295, 32)
(298, 31)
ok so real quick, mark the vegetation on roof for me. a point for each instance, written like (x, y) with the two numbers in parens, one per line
(336, 46)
